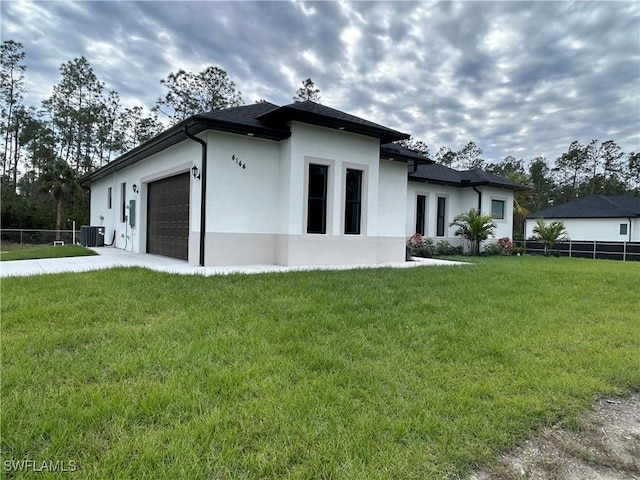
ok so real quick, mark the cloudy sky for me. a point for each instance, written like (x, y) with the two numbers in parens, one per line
(518, 78)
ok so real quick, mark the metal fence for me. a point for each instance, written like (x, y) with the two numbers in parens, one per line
(625, 251)
(38, 237)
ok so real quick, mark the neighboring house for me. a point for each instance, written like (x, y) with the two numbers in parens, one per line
(436, 194)
(596, 217)
(302, 184)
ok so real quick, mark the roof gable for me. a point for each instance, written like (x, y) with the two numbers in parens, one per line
(594, 206)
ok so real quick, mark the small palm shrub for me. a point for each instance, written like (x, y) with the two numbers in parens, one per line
(474, 227)
(549, 233)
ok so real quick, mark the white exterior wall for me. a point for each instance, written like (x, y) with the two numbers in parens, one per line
(600, 229)
(242, 203)
(242, 200)
(339, 150)
(504, 226)
(391, 200)
(459, 200)
(392, 213)
(172, 161)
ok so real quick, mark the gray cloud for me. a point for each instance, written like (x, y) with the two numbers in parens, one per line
(518, 78)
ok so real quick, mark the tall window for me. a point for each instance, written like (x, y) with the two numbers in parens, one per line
(317, 202)
(109, 198)
(497, 209)
(353, 202)
(123, 197)
(421, 210)
(440, 220)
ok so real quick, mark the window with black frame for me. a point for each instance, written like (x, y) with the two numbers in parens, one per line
(440, 221)
(123, 197)
(317, 199)
(421, 211)
(353, 202)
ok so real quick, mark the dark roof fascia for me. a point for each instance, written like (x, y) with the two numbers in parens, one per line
(403, 155)
(288, 114)
(174, 135)
(502, 186)
(438, 182)
(463, 184)
(265, 132)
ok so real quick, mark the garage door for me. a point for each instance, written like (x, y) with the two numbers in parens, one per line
(168, 217)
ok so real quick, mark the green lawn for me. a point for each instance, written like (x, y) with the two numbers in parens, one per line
(366, 374)
(47, 251)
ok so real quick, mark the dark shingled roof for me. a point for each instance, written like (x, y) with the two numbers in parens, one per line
(316, 114)
(594, 206)
(244, 119)
(263, 120)
(443, 175)
(395, 151)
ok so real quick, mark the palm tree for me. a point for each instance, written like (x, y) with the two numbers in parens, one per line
(474, 227)
(548, 234)
(58, 178)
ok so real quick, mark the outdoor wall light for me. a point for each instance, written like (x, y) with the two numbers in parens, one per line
(195, 172)
(135, 188)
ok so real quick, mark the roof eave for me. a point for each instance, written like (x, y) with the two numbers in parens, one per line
(175, 135)
(435, 181)
(405, 159)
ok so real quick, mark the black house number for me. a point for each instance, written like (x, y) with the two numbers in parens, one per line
(238, 162)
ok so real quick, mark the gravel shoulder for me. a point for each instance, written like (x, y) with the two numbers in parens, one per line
(605, 446)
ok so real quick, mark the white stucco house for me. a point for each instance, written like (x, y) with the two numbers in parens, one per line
(595, 218)
(302, 184)
(436, 194)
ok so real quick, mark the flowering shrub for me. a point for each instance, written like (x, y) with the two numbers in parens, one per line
(420, 246)
(504, 246)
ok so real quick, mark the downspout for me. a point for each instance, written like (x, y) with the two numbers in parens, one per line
(479, 199)
(203, 191)
(630, 229)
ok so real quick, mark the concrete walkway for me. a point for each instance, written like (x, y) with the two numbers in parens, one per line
(109, 257)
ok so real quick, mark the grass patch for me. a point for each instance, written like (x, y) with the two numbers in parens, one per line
(412, 373)
(49, 251)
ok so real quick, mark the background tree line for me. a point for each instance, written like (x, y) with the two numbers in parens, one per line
(82, 126)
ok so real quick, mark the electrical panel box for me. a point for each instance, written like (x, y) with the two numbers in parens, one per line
(132, 213)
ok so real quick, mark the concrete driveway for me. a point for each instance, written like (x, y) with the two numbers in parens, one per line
(109, 257)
